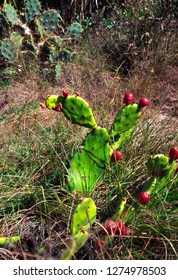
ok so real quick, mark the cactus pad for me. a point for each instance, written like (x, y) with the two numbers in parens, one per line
(77, 241)
(11, 14)
(158, 164)
(74, 30)
(124, 124)
(84, 216)
(4, 241)
(89, 162)
(49, 21)
(8, 49)
(32, 9)
(77, 110)
(53, 101)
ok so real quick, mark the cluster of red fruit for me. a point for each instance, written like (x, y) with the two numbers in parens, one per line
(129, 98)
(112, 227)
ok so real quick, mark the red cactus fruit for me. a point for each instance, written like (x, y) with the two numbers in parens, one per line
(173, 154)
(128, 98)
(117, 155)
(126, 231)
(100, 244)
(143, 102)
(121, 227)
(144, 197)
(110, 226)
(57, 108)
(65, 93)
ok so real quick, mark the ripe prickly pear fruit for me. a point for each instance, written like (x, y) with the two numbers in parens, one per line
(144, 197)
(173, 154)
(116, 155)
(128, 98)
(143, 102)
(65, 93)
(120, 227)
(110, 226)
(100, 244)
(126, 231)
(58, 108)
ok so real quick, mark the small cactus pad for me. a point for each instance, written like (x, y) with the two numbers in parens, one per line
(53, 101)
(49, 21)
(32, 9)
(74, 30)
(89, 162)
(8, 49)
(124, 124)
(84, 216)
(158, 164)
(11, 14)
(4, 241)
(77, 110)
(77, 241)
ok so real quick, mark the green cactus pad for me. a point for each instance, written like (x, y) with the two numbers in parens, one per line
(84, 216)
(11, 14)
(77, 241)
(32, 9)
(8, 49)
(49, 21)
(158, 164)
(53, 101)
(89, 162)
(124, 125)
(4, 241)
(74, 30)
(77, 110)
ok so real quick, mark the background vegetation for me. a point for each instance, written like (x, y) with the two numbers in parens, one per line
(125, 45)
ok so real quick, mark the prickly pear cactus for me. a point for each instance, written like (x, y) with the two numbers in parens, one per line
(11, 14)
(74, 30)
(84, 216)
(32, 9)
(4, 241)
(77, 110)
(49, 21)
(8, 49)
(124, 125)
(77, 241)
(89, 162)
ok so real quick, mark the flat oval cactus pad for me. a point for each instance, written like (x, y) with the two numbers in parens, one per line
(77, 110)
(84, 216)
(89, 162)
